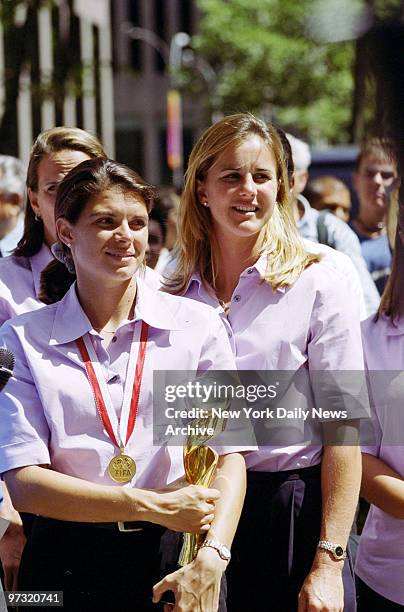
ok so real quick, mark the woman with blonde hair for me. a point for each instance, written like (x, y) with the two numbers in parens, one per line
(239, 251)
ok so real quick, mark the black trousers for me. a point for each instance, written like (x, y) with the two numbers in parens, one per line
(276, 542)
(96, 568)
(369, 600)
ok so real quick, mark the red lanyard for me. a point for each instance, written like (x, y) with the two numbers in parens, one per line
(98, 393)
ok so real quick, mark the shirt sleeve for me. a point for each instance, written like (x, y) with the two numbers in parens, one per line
(5, 311)
(24, 432)
(335, 353)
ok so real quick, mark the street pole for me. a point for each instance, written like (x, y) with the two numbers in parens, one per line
(172, 56)
(175, 152)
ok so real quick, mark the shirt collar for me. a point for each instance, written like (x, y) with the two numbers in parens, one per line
(153, 307)
(38, 262)
(309, 212)
(260, 267)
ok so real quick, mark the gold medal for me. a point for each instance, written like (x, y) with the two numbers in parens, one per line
(122, 468)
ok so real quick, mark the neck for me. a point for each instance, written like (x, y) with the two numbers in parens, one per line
(115, 305)
(232, 257)
(371, 224)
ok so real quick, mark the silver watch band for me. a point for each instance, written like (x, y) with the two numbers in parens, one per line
(222, 550)
(336, 549)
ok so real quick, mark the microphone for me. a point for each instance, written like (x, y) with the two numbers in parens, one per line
(7, 363)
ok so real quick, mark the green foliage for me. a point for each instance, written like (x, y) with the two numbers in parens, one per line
(266, 58)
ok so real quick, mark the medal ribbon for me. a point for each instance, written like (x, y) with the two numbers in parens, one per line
(100, 389)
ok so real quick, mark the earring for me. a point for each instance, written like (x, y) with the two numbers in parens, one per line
(37, 217)
(205, 204)
(68, 245)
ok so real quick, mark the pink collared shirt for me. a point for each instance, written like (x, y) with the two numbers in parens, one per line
(20, 283)
(312, 323)
(47, 411)
(380, 557)
(20, 279)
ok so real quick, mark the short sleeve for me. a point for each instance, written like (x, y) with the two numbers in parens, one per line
(335, 352)
(24, 432)
(334, 341)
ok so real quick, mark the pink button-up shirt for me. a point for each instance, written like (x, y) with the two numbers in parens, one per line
(47, 411)
(313, 322)
(20, 279)
(20, 283)
(380, 558)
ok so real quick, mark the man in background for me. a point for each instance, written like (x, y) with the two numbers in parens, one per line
(329, 193)
(374, 178)
(327, 229)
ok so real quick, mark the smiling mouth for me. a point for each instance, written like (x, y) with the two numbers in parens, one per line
(120, 255)
(245, 208)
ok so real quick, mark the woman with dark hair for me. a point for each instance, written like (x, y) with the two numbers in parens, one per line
(54, 153)
(76, 442)
(284, 309)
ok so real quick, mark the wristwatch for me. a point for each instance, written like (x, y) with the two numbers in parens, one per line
(222, 550)
(335, 549)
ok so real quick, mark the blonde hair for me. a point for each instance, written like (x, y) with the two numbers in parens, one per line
(280, 239)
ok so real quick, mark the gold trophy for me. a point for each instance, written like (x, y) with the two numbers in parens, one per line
(200, 462)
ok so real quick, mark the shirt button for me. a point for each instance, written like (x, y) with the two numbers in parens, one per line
(114, 379)
(229, 334)
(250, 271)
(114, 339)
(237, 298)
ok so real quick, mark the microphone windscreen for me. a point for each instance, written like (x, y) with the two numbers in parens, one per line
(7, 363)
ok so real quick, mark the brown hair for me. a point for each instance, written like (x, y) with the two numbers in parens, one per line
(280, 238)
(88, 179)
(47, 143)
(382, 149)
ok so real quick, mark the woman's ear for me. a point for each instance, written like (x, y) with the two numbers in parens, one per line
(33, 201)
(64, 230)
(201, 191)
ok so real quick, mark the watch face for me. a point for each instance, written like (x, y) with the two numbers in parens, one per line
(225, 553)
(339, 551)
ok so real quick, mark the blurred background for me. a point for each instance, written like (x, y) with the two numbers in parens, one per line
(148, 76)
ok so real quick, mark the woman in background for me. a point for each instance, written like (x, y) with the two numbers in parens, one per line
(380, 559)
(283, 309)
(54, 153)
